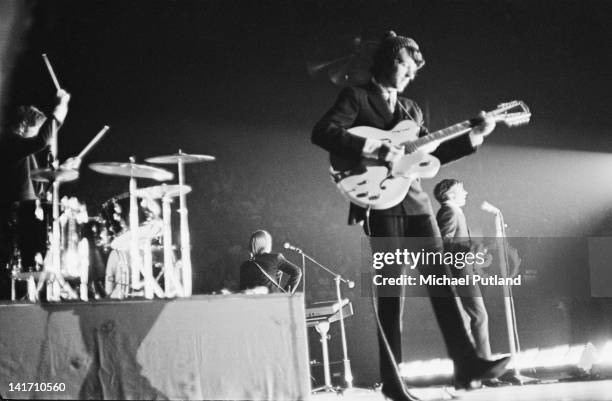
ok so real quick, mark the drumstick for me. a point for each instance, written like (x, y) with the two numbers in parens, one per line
(93, 142)
(53, 77)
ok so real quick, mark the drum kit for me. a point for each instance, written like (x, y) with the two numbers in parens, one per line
(68, 235)
(129, 247)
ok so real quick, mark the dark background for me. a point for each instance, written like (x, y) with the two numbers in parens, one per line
(229, 78)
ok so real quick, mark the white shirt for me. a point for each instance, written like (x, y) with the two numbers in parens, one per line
(389, 94)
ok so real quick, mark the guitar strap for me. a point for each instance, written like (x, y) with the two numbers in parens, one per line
(408, 116)
(265, 273)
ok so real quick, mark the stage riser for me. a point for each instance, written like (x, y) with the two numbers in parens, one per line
(207, 347)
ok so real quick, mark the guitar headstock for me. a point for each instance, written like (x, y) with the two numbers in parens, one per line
(512, 113)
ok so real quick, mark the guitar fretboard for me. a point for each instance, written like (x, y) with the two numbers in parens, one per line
(441, 135)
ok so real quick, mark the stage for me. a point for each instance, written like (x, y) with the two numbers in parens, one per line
(229, 97)
(222, 347)
(572, 391)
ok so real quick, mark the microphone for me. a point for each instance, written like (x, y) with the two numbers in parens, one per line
(349, 283)
(287, 245)
(487, 207)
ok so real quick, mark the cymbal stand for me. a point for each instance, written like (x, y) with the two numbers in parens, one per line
(172, 286)
(185, 238)
(136, 264)
(53, 275)
(53, 286)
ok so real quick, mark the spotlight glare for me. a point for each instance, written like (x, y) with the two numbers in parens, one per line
(562, 359)
(574, 355)
(552, 357)
(605, 356)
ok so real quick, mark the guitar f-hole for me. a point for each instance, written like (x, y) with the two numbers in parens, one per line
(382, 183)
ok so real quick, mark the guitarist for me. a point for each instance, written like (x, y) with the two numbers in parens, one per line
(378, 104)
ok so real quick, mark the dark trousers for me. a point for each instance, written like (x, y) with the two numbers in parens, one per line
(476, 317)
(445, 307)
(477, 323)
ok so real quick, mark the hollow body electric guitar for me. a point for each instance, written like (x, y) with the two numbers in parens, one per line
(379, 185)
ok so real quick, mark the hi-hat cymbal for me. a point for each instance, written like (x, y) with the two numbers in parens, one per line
(132, 170)
(184, 157)
(50, 175)
(160, 191)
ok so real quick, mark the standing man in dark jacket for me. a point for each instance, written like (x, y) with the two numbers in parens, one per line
(456, 235)
(378, 104)
(30, 133)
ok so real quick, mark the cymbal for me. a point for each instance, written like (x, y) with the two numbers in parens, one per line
(132, 170)
(184, 157)
(351, 72)
(145, 233)
(50, 175)
(346, 65)
(160, 191)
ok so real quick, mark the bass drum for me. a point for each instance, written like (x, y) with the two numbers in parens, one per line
(118, 274)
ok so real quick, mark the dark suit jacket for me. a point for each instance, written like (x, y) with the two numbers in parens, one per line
(455, 233)
(365, 106)
(453, 228)
(15, 162)
(251, 276)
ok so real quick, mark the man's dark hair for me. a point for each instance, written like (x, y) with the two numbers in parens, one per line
(22, 117)
(29, 115)
(442, 188)
(388, 50)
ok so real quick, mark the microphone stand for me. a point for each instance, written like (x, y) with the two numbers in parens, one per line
(510, 312)
(303, 275)
(348, 375)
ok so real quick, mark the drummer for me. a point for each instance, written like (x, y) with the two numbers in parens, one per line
(29, 132)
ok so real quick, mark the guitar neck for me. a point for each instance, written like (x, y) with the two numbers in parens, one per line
(442, 135)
